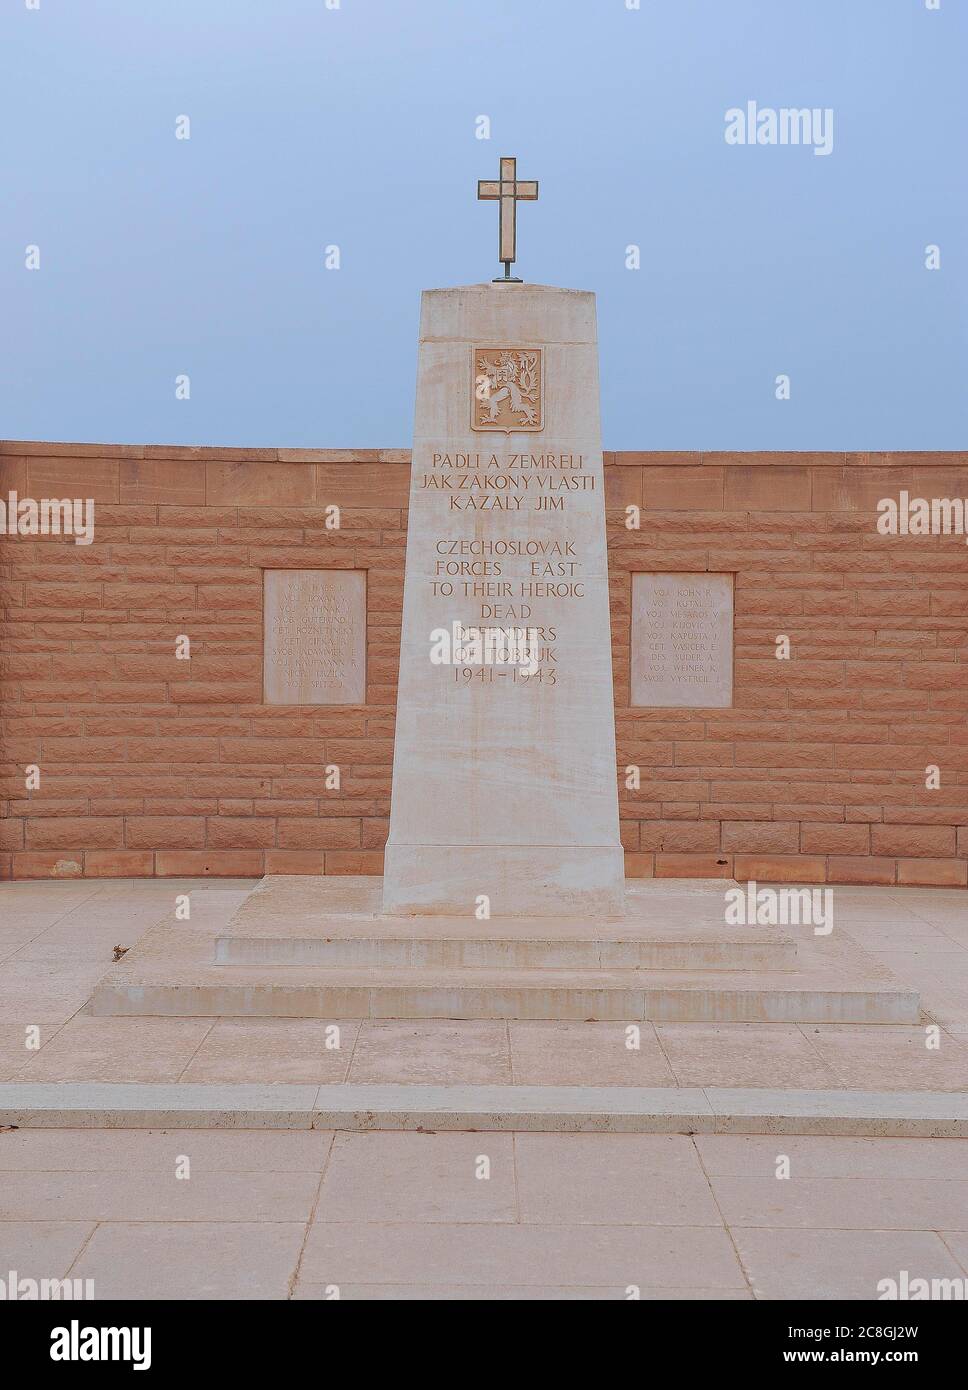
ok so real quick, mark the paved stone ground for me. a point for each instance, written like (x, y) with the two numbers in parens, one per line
(56, 941)
(295, 1213)
(394, 1215)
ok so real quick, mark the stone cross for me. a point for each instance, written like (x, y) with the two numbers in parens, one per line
(507, 190)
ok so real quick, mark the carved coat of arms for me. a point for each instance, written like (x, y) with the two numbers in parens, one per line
(507, 390)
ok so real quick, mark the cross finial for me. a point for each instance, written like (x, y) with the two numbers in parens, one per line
(507, 190)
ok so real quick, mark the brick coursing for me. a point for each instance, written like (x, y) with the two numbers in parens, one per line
(155, 766)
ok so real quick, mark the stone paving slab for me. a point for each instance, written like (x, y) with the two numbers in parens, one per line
(824, 1156)
(237, 1260)
(145, 1196)
(826, 1264)
(495, 1253)
(408, 1216)
(277, 1151)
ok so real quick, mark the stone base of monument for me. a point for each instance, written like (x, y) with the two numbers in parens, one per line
(321, 948)
(519, 880)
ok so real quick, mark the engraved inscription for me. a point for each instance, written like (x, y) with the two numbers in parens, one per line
(315, 637)
(522, 576)
(682, 640)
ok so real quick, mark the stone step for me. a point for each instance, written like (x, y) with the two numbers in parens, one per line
(370, 945)
(549, 1109)
(457, 967)
(297, 921)
(171, 974)
(657, 996)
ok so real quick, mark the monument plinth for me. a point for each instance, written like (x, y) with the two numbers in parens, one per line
(504, 777)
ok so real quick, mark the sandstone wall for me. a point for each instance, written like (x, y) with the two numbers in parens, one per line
(150, 765)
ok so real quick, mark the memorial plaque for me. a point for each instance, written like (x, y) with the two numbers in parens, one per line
(314, 626)
(682, 640)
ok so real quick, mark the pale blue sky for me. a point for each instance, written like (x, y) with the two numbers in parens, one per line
(356, 126)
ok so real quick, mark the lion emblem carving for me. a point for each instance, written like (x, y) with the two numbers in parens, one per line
(507, 389)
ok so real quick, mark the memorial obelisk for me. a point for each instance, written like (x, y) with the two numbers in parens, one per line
(504, 797)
